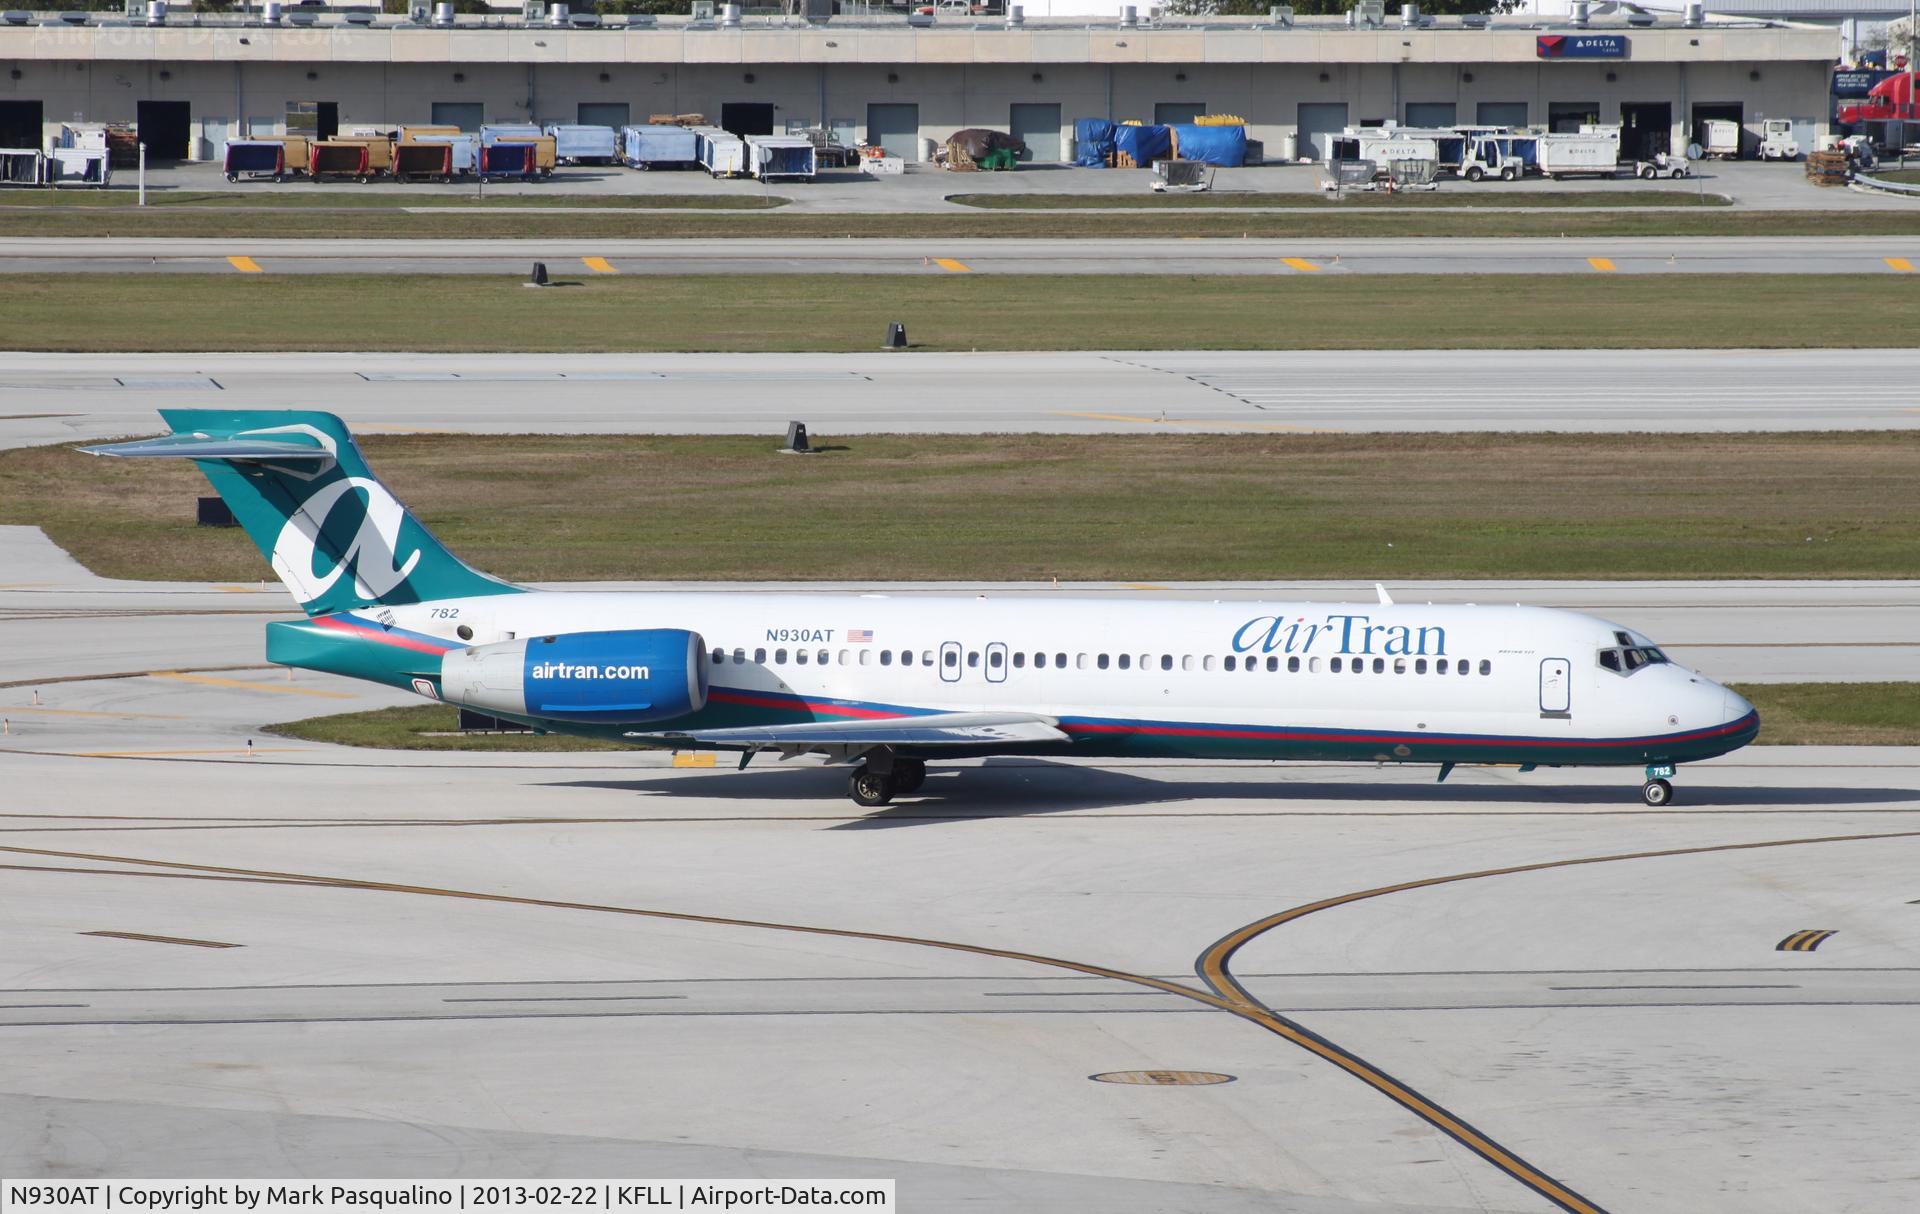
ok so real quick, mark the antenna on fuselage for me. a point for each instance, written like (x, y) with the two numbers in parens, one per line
(1386, 600)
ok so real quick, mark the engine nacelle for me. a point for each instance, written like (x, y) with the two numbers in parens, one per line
(610, 678)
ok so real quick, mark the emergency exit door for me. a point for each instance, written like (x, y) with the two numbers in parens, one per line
(1556, 691)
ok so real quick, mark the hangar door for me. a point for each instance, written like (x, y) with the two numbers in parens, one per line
(20, 124)
(1729, 111)
(467, 115)
(602, 113)
(1319, 122)
(165, 127)
(1512, 114)
(896, 127)
(1037, 126)
(1646, 129)
(1427, 114)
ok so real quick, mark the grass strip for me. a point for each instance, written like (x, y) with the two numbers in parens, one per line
(295, 222)
(745, 312)
(52, 202)
(1467, 199)
(1791, 714)
(1163, 507)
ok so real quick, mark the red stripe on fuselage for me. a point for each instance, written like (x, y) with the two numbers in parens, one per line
(750, 700)
(374, 634)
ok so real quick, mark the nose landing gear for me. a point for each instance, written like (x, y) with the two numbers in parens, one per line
(1657, 791)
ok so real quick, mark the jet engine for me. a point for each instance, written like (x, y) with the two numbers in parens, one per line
(604, 678)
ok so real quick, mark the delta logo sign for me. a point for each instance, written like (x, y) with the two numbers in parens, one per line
(1580, 46)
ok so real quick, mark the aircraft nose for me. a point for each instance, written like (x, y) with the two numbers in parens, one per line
(1736, 705)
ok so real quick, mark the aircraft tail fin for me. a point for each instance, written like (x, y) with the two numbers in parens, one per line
(298, 485)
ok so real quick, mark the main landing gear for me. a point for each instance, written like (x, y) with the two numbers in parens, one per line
(1657, 791)
(878, 781)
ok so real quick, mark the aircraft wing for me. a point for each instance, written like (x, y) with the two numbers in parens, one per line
(936, 729)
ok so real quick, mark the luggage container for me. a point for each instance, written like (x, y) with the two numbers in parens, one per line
(656, 146)
(256, 159)
(545, 153)
(299, 150)
(463, 150)
(414, 134)
(22, 166)
(580, 144)
(1594, 150)
(379, 150)
(788, 156)
(83, 167)
(508, 160)
(339, 159)
(423, 161)
(721, 153)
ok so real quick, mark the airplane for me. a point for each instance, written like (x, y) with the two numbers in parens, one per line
(884, 684)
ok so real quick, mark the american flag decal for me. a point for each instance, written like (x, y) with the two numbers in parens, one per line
(860, 635)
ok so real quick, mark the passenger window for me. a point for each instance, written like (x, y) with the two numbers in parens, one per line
(739, 657)
(973, 660)
(1399, 665)
(1206, 663)
(1360, 665)
(1146, 661)
(1186, 661)
(846, 659)
(800, 657)
(719, 656)
(780, 657)
(1313, 665)
(866, 657)
(1440, 666)
(1080, 661)
(1293, 664)
(1020, 660)
(926, 657)
(1460, 667)
(995, 660)
(1126, 661)
(906, 657)
(1166, 661)
(1379, 665)
(1333, 664)
(760, 657)
(1228, 662)
(1060, 661)
(1486, 667)
(886, 657)
(1039, 661)
(951, 660)
(1419, 665)
(1101, 661)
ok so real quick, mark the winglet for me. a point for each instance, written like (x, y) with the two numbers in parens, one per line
(1386, 600)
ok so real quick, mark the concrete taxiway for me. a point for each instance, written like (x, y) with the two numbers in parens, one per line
(1892, 255)
(1511, 992)
(66, 397)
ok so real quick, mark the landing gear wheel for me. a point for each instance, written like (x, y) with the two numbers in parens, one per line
(869, 789)
(908, 776)
(1656, 793)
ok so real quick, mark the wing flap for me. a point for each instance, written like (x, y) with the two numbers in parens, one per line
(936, 729)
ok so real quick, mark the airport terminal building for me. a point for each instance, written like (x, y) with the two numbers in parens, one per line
(191, 83)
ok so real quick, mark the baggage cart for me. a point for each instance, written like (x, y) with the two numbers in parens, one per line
(22, 166)
(299, 150)
(423, 162)
(722, 153)
(339, 159)
(545, 151)
(583, 144)
(414, 134)
(508, 160)
(82, 167)
(655, 146)
(1181, 177)
(464, 150)
(379, 150)
(255, 159)
(785, 156)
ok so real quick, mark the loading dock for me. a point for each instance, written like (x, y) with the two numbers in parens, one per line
(1037, 125)
(1718, 111)
(744, 118)
(20, 124)
(1320, 122)
(166, 127)
(895, 126)
(1646, 129)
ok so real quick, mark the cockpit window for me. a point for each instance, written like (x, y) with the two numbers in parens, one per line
(1623, 640)
(1610, 658)
(1635, 659)
(1630, 658)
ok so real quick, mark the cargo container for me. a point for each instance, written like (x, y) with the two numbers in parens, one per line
(340, 158)
(509, 159)
(654, 146)
(545, 154)
(379, 150)
(414, 134)
(1382, 146)
(254, 158)
(464, 150)
(721, 153)
(78, 167)
(1591, 150)
(579, 144)
(420, 161)
(299, 150)
(22, 166)
(1718, 137)
(786, 156)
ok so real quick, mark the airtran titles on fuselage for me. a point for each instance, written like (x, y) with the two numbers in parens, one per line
(1338, 634)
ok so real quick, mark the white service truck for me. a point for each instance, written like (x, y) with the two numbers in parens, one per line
(1491, 156)
(1777, 141)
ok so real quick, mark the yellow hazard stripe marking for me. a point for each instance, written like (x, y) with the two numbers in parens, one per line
(246, 265)
(599, 265)
(1603, 264)
(1803, 941)
(1899, 263)
(693, 759)
(951, 266)
(162, 939)
(1301, 264)
(243, 685)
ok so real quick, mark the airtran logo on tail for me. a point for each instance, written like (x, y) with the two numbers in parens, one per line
(1343, 634)
(372, 549)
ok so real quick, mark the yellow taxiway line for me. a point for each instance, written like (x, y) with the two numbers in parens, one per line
(951, 266)
(241, 684)
(1899, 263)
(246, 265)
(1301, 264)
(1603, 264)
(599, 265)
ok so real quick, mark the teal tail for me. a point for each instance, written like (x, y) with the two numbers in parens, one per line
(303, 492)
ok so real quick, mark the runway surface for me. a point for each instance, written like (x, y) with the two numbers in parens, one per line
(1894, 255)
(64, 397)
(1501, 993)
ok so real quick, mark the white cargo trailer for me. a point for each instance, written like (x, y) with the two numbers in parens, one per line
(1719, 137)
(1591, 150)
(1383, 146)
(722, 153)
(789, 156)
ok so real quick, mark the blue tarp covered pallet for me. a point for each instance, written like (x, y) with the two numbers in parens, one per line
(1092, 142)
(649, 145)
(1225, 146)
(1145, 144)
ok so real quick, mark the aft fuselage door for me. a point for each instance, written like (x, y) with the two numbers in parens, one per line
(1556, 687)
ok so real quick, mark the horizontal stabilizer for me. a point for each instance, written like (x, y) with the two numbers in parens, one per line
(936, 729)
(203, 446)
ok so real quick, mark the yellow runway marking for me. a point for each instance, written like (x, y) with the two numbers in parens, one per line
(694, 759)
(1199, 421)
(162, 939)
(1900, 263)
(951, 266)
(246, 265)
(1603, 264)
(147, 754)
(81, 712)
(599, 265)
(1301, 264)
(243, 685)
(1235, 1001)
